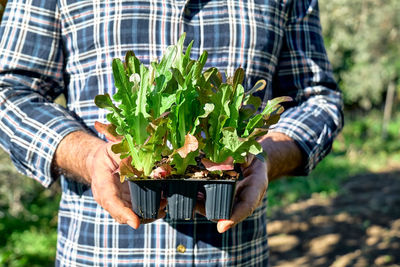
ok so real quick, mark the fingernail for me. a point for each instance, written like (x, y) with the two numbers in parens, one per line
(133, 224)
(224, 225)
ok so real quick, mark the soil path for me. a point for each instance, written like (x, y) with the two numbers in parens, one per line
(358, 227)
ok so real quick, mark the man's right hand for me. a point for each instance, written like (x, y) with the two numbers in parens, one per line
(90, 158)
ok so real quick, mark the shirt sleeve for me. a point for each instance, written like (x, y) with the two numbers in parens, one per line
(31, 76)
(315, 116)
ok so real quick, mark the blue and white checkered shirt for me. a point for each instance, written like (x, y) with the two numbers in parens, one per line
(52, 47)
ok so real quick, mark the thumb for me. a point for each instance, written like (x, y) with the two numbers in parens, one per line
(249, 161)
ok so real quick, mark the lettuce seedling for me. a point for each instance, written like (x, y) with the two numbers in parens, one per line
(172, 114)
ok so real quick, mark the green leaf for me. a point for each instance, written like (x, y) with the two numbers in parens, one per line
(217, 119)
(178, 76)
(255, 101)
(167, 60)
(207, 109)
(166, 102)
(272, 106)
(122, 83)
(235, 105)
(159, 101)
(230, 139)
(186, 59)
(181, 164)
(104, 101)
(120, 148)
(140, 121)
(203, 59)
(256, 149)
(260, 85)
(198, 67)
(238, 78)
(239, 147)
(213, 76)
(132, 63)
(115, 117)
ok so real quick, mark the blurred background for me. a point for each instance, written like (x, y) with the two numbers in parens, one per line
(346, 213)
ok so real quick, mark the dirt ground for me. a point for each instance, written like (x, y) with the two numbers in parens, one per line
(360, 226)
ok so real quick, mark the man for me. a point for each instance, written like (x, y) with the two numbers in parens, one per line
(52, 47)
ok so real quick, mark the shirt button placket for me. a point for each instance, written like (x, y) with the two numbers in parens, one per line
(184, 245)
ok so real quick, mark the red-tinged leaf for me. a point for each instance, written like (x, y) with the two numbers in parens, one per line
(260, 85)
(191, 144)
(227, 165)
(151, 128)
(161, 171)
(109, 131)
(127, 170)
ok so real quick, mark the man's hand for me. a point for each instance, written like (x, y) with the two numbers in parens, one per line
(90, 160)
(283, 157)
(107, 189)
(249, 194)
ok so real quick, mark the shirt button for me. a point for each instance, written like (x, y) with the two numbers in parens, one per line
(181, 248)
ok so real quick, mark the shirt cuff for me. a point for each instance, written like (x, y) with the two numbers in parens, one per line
(313, 129)
(40, 152)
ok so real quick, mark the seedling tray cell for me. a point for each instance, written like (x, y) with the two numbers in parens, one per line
(182, 195)
(145, 197)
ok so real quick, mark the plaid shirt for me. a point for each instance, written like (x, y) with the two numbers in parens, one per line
(52, 47)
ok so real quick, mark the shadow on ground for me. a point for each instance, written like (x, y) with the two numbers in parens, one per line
(360, 226)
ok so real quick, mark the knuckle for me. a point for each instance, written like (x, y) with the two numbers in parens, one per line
(120, 220)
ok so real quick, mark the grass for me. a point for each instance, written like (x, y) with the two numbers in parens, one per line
(28, 219)
(358, 149)
(29, 238)
(28, 213)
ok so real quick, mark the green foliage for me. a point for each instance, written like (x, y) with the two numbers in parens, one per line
(362, 39)
(28, 219)
(174, 101)
(358, 149)
(364, 133)
(31, 247)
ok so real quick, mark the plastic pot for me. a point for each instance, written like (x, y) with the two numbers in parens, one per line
(182, 195)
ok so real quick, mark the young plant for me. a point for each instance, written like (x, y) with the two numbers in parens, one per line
(231, 129)
(172, 113)
(139, 122)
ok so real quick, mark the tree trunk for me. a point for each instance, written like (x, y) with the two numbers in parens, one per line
(388, 108)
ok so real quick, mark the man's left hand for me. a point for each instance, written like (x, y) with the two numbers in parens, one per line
(249, 194)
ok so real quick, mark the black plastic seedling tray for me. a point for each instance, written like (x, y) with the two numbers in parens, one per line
(182, 195)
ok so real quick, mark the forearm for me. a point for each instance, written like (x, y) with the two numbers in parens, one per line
(73, 154)
(283, 155)
(88, 159)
